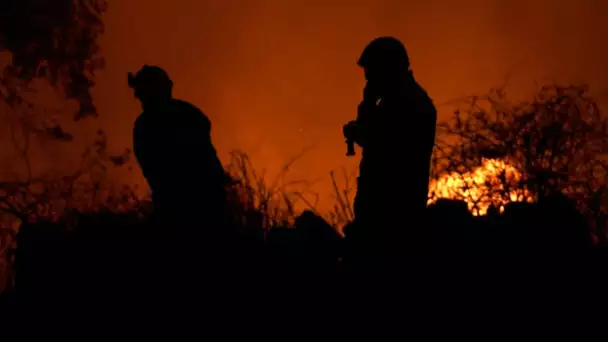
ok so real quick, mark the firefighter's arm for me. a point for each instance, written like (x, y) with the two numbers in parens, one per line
(366, 113)
(364, 125)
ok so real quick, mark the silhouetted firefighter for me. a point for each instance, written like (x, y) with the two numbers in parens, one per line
(395, 126)
(172, 143)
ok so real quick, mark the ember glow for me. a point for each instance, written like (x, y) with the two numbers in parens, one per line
(493, 183)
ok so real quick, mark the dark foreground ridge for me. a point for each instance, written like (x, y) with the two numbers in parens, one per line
(107, 257)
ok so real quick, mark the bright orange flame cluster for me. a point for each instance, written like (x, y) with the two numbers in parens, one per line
(482, 188)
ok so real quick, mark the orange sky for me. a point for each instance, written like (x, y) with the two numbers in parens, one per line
(277, 76)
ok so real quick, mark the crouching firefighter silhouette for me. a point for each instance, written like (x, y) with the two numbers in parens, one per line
(172, 144)
(395, 127)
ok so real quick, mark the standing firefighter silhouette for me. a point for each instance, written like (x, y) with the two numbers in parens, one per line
(395, 127)
(172, 143)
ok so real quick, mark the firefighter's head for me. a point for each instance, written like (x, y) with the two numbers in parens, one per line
(384, 60)
(151, 84)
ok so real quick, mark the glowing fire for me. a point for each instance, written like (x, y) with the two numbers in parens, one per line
(493, 183)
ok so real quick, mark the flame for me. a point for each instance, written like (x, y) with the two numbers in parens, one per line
(493, 183)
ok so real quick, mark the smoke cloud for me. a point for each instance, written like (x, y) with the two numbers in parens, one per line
(278, 76)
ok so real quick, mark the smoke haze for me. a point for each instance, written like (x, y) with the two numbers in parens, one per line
(278, 76)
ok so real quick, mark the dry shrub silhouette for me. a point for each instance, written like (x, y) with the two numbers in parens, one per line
(554, 143)
(54, 41)
(276, 203)
(50, 46)
(50, 43)
(262, 203)
(60, 198)
(342, 212)
(73, 201)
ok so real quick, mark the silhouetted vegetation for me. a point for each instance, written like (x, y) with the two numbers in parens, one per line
(542, 197)
(50, 47)
(52, 40)
(554, 144)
